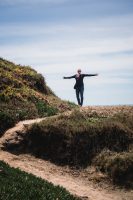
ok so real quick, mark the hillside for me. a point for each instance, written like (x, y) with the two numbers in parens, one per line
(87, 150)
(98, 136)
(24, 94)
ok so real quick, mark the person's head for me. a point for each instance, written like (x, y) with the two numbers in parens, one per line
(79, 71)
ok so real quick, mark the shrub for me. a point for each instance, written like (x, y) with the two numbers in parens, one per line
(119, 166)
(6, 121)
(22, 114)
(125, 118)
(44, 109)
(75, 139)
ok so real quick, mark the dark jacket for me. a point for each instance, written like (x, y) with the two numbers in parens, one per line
(79, 79)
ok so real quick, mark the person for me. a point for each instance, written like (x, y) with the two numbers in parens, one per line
(79, 85)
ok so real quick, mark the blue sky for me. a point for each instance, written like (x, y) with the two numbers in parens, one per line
(58, 36)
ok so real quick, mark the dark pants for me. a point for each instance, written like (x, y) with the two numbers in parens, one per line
(79, 95)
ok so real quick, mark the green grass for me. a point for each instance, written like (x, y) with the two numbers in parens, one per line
(16, 184)
(45, 110)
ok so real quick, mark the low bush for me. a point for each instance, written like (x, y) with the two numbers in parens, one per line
(125, 118)
(75, 139)
(44, 109)
(71, 104)
(6, 121)
(16, 184)
(119, 166)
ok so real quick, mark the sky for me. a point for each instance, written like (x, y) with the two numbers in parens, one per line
(56, 37)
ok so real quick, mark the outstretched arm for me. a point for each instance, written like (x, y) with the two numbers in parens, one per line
(68, 77)
(90, 75)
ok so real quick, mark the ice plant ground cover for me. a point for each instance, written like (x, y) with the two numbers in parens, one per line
(16, 184)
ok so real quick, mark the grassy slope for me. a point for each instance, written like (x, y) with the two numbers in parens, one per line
(15, 184)
(24, 95)
(85, 137)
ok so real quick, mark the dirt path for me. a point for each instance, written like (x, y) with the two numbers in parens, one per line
(74, 182)
(63, 177)
(13, 135)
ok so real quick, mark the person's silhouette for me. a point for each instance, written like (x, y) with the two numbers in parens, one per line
(79, 85)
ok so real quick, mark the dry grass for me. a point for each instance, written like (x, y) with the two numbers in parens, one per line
(119, 166)
(76, 138)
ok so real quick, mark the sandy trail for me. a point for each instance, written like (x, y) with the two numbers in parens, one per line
(21, 127)
(62, 176)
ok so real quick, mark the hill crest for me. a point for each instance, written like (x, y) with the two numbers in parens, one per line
(24, 94)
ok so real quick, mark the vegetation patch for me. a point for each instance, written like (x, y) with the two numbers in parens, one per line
(71, 104)
(119, 166)
(24, 94)
(6, 121)
(45, 110)
(74, 139)
(16, 184)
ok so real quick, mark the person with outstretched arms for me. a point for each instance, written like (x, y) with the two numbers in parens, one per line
(79, 85)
